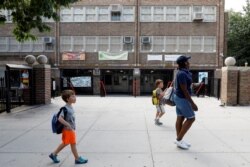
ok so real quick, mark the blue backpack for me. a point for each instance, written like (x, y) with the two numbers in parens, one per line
(57, 126)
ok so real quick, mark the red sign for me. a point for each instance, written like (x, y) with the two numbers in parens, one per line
(73, 56)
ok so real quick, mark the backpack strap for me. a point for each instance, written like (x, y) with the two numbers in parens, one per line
(64, 109)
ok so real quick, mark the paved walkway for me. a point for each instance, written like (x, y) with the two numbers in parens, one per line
(120, 132)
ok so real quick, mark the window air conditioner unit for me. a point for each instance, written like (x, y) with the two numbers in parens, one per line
(198, 17)
(128, 40)
(48, 40)
(145, 40)
(116, 7)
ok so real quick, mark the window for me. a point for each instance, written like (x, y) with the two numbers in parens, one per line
(184, 44)
(146, 47)
(115, 16)
(197, 9)
(103, 13)
(3, 44)
(146, 13)
(14, 45)
(171, 44)
(91, 14)
(115, 44)
(78, 14)
(66, 43)
(38, 45)
(90, 44)
(210, 13)
(8, 16)
(209, 44)
(158, 13)
(78, 43)
(66, 15)
(171, 13)
(127, 46)
(128, 13)
(26, 46)
(103, 43)
(158, 44)
(197, 42)
(184, 14)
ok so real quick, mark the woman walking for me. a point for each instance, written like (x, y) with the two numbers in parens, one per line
(185, 106)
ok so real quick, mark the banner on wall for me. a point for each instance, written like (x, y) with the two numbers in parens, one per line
(171, 57)
(73, 56)
(154, 57)
(112, 56)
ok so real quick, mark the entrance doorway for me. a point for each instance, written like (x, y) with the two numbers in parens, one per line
(148, 78)
(117, 81)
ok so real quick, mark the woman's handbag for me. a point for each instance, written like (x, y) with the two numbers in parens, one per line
(169, 96)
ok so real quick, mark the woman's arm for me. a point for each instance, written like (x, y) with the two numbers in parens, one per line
(188, 97)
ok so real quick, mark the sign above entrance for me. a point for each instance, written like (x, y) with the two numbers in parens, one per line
(73, 56)
(112, 56)
(171, 57)
(154, 57)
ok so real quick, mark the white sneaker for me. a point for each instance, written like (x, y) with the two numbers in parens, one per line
(188, 144)
(181, 145)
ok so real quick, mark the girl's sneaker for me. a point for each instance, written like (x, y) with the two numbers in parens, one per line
(81, 160)
(181, 145)
(54, 158)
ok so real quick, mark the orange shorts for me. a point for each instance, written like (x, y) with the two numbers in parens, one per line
(68, 136)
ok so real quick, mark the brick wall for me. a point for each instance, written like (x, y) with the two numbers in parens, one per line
(42, 75)
(229, 86)
(235, 86)
(244, 86)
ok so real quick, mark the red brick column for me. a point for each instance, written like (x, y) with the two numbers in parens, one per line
(42, 77)
(244, 86)
(229, 85)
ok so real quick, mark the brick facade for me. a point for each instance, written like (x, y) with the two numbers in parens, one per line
(42, 75)
(235, 89)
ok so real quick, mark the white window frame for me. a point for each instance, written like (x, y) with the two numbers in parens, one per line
(67, 11)
(82, 14)
(69, 43)
(158, 44)
(214, 44)
(167, 44)
(214, 13)
(155, 12)
(18, 45)
(108, 43)
(94, 13)
(125, 14)
(37, 43)
(151, 14)
(189, 44)
(201, 44)
(96, 42)
(179, 13)
(108, 14)
(26, 44)
(74, 44)
(115, 44)
(6, 44)
(176, 13)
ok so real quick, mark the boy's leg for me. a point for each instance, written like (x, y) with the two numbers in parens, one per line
(59, 148)
(185, 127)
(74, 151)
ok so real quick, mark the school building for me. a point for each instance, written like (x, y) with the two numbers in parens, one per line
(124, 46)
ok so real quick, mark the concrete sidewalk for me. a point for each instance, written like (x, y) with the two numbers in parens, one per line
(120, 132)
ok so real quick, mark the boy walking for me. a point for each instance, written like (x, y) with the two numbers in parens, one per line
(160, 110)
(68, 133)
